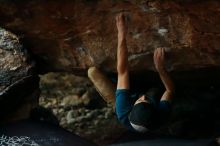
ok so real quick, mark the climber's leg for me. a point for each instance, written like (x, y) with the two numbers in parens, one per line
(102, 84)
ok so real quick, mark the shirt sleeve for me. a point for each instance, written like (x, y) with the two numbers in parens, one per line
(124, 105)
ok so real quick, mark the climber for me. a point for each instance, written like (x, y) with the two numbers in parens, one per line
(144, 112)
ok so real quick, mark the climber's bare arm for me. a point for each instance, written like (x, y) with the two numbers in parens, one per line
(159, 54)
(122, 54)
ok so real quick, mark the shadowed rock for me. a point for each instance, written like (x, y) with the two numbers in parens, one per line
(18, 79)
(13, 60)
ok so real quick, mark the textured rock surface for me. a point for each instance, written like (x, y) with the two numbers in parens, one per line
(13, 60)
(73, 35)
(17, 78)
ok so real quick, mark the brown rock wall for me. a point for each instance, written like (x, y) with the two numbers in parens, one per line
(73, 35)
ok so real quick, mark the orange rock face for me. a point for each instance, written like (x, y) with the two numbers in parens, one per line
(74, 35)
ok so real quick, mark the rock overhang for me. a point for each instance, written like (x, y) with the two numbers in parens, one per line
(72, 36)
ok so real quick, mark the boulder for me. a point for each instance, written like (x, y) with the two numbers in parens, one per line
(74, 35)
(19, 83)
